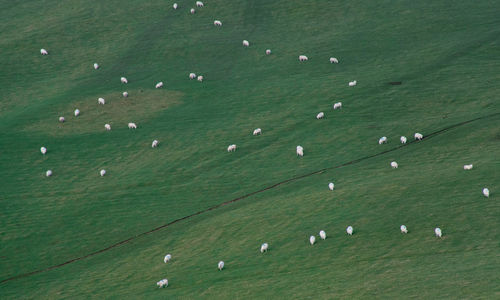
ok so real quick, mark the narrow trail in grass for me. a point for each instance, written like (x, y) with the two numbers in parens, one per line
(428, 136)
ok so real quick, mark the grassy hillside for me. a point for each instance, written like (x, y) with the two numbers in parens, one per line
(445, 53)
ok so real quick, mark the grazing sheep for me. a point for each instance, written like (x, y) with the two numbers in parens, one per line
(468, 167)
(403, 229)
(217, 23)
(192, 75)
(124, 80)
(303, 58)
(102, 172)
(155, 144)
(101, 101)
(257, 131)
(162, 283)
(159, 85)
(403, 139)
(200, 78)
(333, 60)
(48, 173)
(175, 6)
(132, 126)
(438, 232)
(264, 247)
(337, 105)
(418, 136)
(125, 94)
(107, 126)
(353, 83)
(382, 140)
(486, 192)
(61, 119)
(96, 66)
(220, 266)
(199, 3)
(268, 51)
(167, 258)
(246, 43)
(321, 115)
(322, 234)
(44, 52)
(331, 186)
(192, 11)
(43, 150)
(300, 151)
(349, 230)
(231, 148)
(312, 239)
(394, 165)
(77, 112)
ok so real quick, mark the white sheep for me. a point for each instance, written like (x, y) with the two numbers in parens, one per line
(231, 148)
(337, 105)
(200, 78)
(322, 234)
(246, 43)
(303, 58)
(486, 192)
(48, 173)
(403, 229)
(101, 101)
(438, 232)
(96, 66)
(159, 85)
(353, 83)
(155, 144)
(61, 119)
(102, 172)
(162, 283)
(125, 94)
(44, 52)
(132, 126)
(300, 151)
(77, 112)
(217, 23)
(257, 131)
(124, 80)
(331, 186)
(175, 6)
(394, 165)
(468, 167)
(192, 75)
(107, 126)
(333, 60)
(264, 247)
(349, 230)
(382, 140)
(199, 3)
(321, 115)
(43, 150)
(192, 11)
(418, 136)
(312, 239)
(167, 258)
(403, 139)
(220, 265)
(268, 51)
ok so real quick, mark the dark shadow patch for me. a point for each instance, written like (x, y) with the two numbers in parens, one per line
(395, 83)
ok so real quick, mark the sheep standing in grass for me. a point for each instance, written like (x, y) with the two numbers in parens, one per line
(403, 139)
(155, 144)
(331, 186)
(96, 66)
(200, 78)
(349, 230)
(43, 150)
(438, 232)
(132, 126)
(61, 119)
(382, 140)
(257, 131)
(167, 258)
(123, 80)
(217, 23)
(48, 173)
(162, 283)
(321, 115)
(159, 85)
(231, 148)
(353, 83)
(403, 229)
(192, 11)
(220, 265)
(77, 112)
(468, 167)
(333, 60)
(322, 235)
(125, 94)
(300, 151)
(264, 247)
(312, 239)
(101, 101)
(107, 126)
(337, 105)
(394, 165)
(199, 3)
(246, 43)
(192, 75)
(175, 6)
(44, 52)
(418, 136)
(303, 58)
(102, 172)
(268, 51)
(486, 192)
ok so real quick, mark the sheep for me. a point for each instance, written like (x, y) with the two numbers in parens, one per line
(132, 126)
(61, 119)
(159, 85)
(331, 186)
(394, 165)
(101, 101)
(44, 52)
(200, 78)
(48, 173)
(333, 60)
(43, 150)
(268, 51)
(199, 3)
(125, 94)
(107, 126)
(124, 80)
(246, 43)
(486, 192)
(353, 83)
(192, 11)
(349, 230)
(192, 75)
(162, 283)
(321, 115)
(438, 232)
(468, 167)
(312, 239)
(264, 247)
(175, 6)
(77, 112)
(167, 258)
(257, 131)
(102, 172)
(322, 234)
(337, 105)
(155, 144)
(96, 66)
(231, 148)
(300, 151)
(220, 265)
(418, 136)
(303, 58)
(403, 229)
(403, 139)
(382, 140)
(217, 23)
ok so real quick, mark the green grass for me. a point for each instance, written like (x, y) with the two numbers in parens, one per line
(445, 53)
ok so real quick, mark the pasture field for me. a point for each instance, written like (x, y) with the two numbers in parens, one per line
(445, 53)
